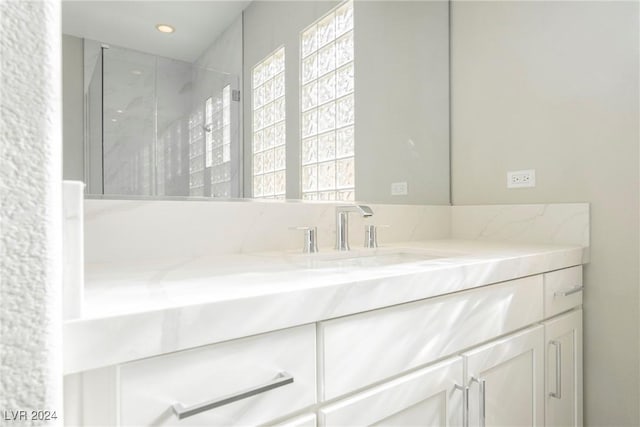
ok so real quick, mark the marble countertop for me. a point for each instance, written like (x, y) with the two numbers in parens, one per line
(138, 310)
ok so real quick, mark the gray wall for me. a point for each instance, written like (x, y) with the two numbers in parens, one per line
(553, 86)
(401, 80)
(402, 100)
(72, 108)
(225, 53)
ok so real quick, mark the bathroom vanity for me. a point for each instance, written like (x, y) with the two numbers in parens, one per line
(442, 332)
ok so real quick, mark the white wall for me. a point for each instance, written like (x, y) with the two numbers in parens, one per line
(30, 207)
(553, 86)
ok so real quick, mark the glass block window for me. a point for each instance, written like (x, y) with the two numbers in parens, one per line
(196, 154)
(269, 130)
(218, 142)
(327, 107)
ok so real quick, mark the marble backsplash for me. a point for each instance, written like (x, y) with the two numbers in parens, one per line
(558, 223)
(131, 230)
(135, 230)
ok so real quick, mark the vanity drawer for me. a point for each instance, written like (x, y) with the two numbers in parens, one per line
(409, 335)
(149, 388)
(562, 290)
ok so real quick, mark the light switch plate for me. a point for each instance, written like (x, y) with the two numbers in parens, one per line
(399, 189)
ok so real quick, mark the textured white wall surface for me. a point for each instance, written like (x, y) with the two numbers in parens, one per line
(30, 208)
(553, 86)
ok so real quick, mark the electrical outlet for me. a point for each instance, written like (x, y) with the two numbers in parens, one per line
(399, 189)
(521, 179)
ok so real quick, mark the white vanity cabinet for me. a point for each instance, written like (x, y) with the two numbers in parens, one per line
(503, 354)
(563, 394)
(505, 376)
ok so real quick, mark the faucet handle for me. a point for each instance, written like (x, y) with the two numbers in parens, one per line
(371, 235)
(310, 244)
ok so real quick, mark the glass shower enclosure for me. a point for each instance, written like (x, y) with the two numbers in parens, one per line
(159, 127)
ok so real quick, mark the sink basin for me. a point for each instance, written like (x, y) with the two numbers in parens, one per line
(361, 259)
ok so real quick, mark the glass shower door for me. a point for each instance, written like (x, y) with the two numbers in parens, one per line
(129, 122)
(166, 128)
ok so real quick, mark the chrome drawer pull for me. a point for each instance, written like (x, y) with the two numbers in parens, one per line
(558, 393)
(465, 404)
(482, 383)
(569, 292)
(181, 412)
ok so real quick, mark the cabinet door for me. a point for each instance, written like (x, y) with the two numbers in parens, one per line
(427, 397)
(307, 420)
(506, 380)
(563, 338)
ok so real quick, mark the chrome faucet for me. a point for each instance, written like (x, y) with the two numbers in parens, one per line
(342, 223)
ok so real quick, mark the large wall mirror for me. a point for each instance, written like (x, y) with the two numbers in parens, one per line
(308, 100)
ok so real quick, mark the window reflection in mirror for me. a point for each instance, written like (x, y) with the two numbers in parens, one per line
(312, 100)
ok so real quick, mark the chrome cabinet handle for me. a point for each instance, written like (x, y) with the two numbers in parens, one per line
(465, 404)
(569, 292)
(558, 393)
(181, 411)
(482, 384)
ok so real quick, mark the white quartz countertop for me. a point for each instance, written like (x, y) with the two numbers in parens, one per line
(137, 310)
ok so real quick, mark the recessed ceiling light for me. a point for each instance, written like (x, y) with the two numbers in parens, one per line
(119, 111)
(165, 28)
(136, 72)
(114, 120)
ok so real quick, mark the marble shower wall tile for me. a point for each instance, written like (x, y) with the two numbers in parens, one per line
(133, 230)
(72, 249)
(560, 223)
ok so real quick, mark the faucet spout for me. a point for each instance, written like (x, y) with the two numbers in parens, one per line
(342, 223)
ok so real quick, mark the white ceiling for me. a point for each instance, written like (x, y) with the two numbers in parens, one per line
(132, 24)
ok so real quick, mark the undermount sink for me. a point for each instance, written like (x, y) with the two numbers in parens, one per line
(367, 258)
